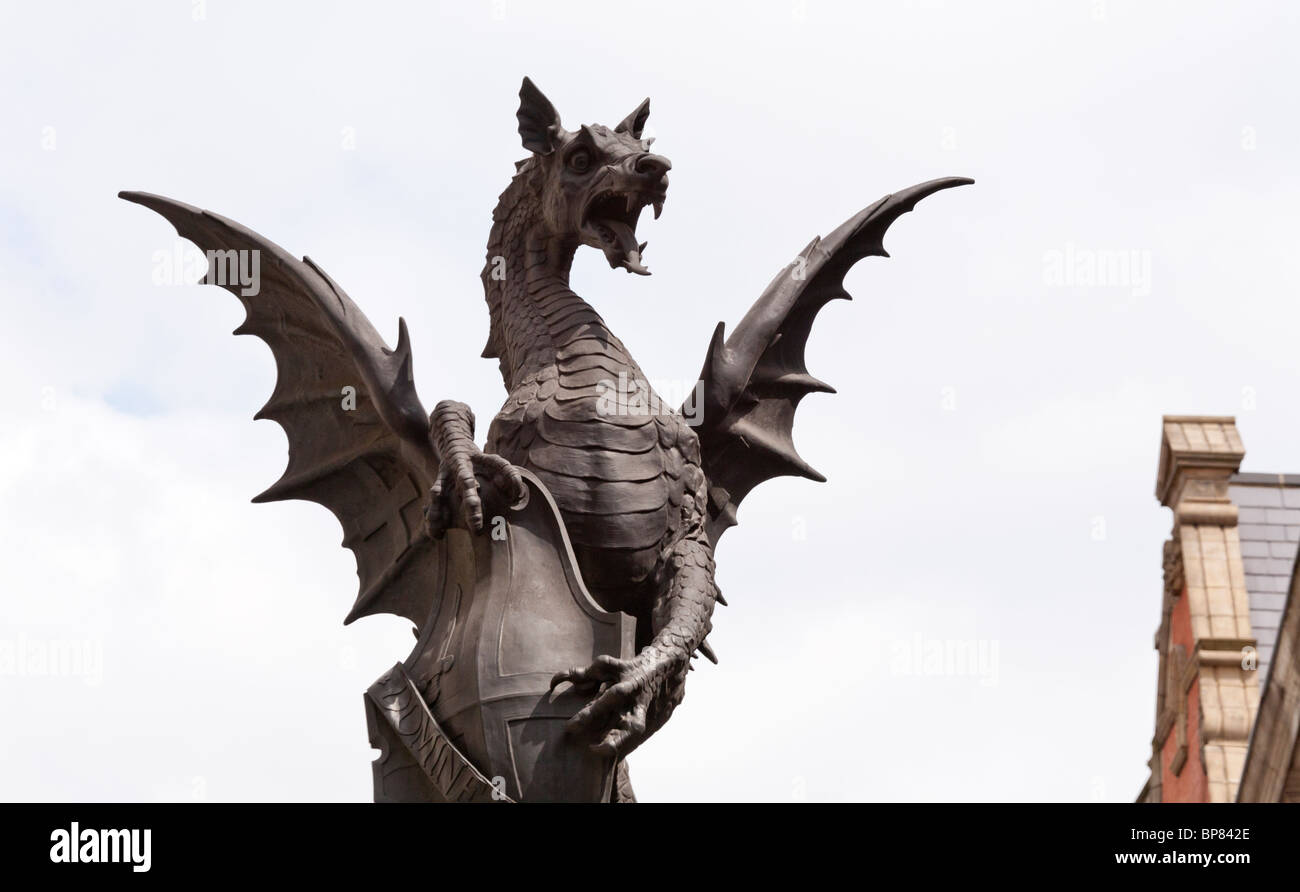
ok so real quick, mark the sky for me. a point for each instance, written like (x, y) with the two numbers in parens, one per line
(964, 611)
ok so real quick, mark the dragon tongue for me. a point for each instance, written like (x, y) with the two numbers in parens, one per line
(632, 263)
(624, 250)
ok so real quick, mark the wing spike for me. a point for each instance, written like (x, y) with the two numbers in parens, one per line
(763, 440)
(798, 381)
(365, 603)
(406, 365)
(275, 406)
(403, 339)
(290, 486)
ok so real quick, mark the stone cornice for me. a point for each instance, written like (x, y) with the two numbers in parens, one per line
(1198, 455)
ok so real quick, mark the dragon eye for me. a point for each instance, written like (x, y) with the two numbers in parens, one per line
(580, 161)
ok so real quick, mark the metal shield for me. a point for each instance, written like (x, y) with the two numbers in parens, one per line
(470, 714)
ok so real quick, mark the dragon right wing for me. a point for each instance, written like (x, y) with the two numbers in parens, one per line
(358, 435)
(752, 381)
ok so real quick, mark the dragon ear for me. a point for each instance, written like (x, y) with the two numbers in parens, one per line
(635, 122)
(539, 122)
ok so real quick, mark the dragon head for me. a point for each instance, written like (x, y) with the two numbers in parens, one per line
(593, 182)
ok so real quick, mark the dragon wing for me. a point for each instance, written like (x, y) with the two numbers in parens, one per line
(362, 453)
(753, 381)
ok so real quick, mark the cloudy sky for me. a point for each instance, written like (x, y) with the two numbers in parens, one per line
(991, 451)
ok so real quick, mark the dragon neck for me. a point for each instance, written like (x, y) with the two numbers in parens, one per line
(526, 284)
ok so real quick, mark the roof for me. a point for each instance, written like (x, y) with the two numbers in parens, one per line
(1271, 772)
(1268, 522)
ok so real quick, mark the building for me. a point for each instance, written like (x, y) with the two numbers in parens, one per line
(1228, 689)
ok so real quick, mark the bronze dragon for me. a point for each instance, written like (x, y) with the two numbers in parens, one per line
(645, 496)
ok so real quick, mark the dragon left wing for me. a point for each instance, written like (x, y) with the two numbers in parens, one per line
(753, 380)
(358, 434)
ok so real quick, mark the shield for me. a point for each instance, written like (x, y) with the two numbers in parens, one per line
(470, 714)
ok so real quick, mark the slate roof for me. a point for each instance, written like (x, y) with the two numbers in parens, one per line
(1268, 521)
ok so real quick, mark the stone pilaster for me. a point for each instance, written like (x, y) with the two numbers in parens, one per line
(1208, 689)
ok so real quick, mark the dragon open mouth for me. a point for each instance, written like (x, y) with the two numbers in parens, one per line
(609, 221)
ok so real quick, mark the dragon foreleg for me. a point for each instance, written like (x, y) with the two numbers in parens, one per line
(461, 462)
(638, 695)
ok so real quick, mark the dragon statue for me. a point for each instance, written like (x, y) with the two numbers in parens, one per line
(561, 579)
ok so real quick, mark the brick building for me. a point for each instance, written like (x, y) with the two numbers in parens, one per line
(1228, 689)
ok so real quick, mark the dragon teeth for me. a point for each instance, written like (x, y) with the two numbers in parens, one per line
(659, 207)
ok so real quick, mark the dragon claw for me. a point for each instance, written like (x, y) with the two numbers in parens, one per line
(604, 670)
(459, 486)
(626, 694)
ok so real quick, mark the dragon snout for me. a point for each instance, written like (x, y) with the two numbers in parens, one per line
(653, 166)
